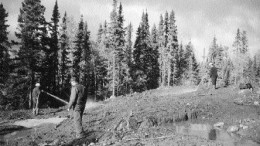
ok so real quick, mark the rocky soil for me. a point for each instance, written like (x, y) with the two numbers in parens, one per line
(168, 116)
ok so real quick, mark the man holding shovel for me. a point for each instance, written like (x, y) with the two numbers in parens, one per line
(77, 104)
(35, 95)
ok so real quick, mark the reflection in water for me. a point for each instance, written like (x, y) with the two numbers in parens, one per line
(207, 131)
(212, 134)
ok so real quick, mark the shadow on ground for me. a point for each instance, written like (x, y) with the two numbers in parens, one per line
(10, 128)
(90, 137)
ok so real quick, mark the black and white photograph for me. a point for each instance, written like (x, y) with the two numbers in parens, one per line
(129, 72)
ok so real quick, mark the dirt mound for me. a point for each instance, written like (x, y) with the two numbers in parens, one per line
(151, 118)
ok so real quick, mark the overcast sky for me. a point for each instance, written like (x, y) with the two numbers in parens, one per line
(197, 21)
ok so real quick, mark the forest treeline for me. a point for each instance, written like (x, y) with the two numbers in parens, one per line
(51, 51)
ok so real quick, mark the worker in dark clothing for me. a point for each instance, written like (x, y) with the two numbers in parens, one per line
(77, 104)
(213, 73)
(35, 96)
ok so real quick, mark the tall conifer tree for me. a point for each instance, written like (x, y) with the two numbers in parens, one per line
(161, 51)
(4, 45)
(172, 51)
(121, 62)
(155, 70)
(86, 58)
(78, 50)
(144, 58)
(64, 55)
(128, 59)
(33, 39)
(99, 34)
(54, 48)
(112, 66)
(180, 63)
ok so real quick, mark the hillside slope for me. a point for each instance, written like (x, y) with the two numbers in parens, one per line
(172, 116)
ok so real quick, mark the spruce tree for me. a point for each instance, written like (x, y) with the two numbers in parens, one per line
(128, 58)
(193, 70)
(54, 66)
(105, 36)
(99, 35)
(213, 51)
(4, 45)
(238, 42)
(97, 77)
(161, 52)
(187, 53)
(102, 41)
(121, 62)
(248, 72)
(180, 63)
(33, 45)
(244, 43)
(166, 28)
(100, 62)
(78, 50)
(167, 54)
(65, 62)
(72, 29)
(143, 75)
(169, 50)
(240, 58)
(219, 56)
(112, 67)
(155, 70)
(227, 71)
(129, 44)
(191, 74)
(86, 58)
(32, 29)
(137, 73)
(173, 51)
(120, 33)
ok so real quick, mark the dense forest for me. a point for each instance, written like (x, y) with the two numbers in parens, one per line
(51, 51)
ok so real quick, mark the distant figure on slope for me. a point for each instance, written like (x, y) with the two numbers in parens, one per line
(35, 95)
(77, 103)
(213, 74)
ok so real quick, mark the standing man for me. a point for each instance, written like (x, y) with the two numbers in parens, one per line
(35, 95)
(213, 73)
(77, 104)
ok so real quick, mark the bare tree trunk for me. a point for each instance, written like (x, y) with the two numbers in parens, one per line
(161, 70)
(32, 82)
(113, 84)
(169, 73)
(164, 73)
(95, 83)
(30, 99)
(174, 81)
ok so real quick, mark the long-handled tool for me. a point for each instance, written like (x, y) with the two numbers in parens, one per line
(56, 97)
(65, 102)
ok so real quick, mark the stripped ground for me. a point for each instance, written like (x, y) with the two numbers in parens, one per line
(165, 116)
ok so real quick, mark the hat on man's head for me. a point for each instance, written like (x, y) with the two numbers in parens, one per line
(73, 79)
(37, 84)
